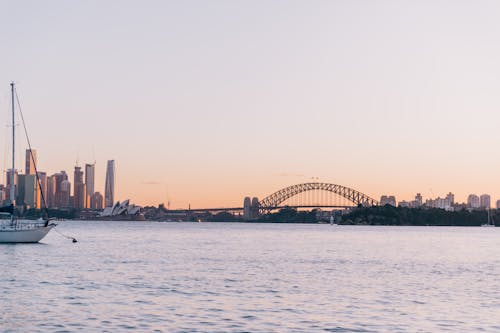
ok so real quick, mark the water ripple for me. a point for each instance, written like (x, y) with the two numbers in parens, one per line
(190, 277)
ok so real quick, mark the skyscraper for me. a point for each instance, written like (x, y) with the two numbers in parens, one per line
(30, 162)
(96, 201)
(485, 201)
(20, 190)
(388, 200)
(51, 191)
(109, 190)
(61, 197)
(89, 183)
(79, 188)
(32, 197)
(26, 193)
(473, 201)
(42, 177)
(64, 194)
(11, 187)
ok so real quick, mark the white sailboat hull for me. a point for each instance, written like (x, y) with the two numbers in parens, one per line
(14, 230)
(24, 235)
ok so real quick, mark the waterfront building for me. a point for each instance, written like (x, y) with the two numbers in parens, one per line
(78, 189)
(96, 201)
(417, 203)
(388, 200)
(109, 190)
(61, 197)
(418, 200)
(3, 195)
(30, 162)
(405, 204)
(42, 177)
(30, 192)
(89, 183)
(9, 183)
(51, 191)
(442, 203)
(26, 191)
(498, 204)
(20, 190)
(64, 194)
(450, 199)
(473, 201)
(485, 201)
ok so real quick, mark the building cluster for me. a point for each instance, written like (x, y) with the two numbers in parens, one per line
(55, 189)
(448, 202)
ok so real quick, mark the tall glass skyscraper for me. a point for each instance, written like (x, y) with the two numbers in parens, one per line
(79, 189)
(109, 190)
(30, 162)
(89, 183)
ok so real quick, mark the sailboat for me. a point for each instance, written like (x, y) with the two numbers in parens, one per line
(16, 230)
(490, 222)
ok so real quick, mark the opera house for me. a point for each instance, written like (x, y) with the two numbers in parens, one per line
(122, 211)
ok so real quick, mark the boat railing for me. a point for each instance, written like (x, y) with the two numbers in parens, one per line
(17, 225)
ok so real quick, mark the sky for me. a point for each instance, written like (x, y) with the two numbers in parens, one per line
(206, 102)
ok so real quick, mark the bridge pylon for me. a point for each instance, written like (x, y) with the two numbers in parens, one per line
(251, 208)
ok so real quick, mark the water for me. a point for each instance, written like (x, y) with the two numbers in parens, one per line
(219, 277)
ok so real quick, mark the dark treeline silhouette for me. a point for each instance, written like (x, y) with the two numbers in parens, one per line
(389, 215)
(289, 215)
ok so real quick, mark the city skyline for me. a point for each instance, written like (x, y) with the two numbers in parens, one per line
(199, 105)
(55, 190)
(84, 196)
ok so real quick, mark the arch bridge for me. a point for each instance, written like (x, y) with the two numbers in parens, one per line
(276, 200)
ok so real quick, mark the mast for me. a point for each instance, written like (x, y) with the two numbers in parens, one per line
(12, 186)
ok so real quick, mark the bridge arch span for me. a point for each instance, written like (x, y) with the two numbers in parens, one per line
(277, 198)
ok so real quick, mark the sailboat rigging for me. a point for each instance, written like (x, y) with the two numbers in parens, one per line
(17, 230)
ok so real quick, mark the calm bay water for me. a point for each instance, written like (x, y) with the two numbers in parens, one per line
(220, 277)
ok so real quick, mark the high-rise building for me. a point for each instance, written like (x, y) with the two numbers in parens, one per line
(20, 190)
(419, 200)
(3, 195)
(42, 177)
(89, 183)
(96, 201)
(30, 161)
(64, 194)
(388, 200)
(498, 204)
(30, 191)
(61, 197)
(51, 191)
(450, 197)
(26, 191)
(79, 188)
(109, 190)
(473, 201)
(9, 184)
(485, 201)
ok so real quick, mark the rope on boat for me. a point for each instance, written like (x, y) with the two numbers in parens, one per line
(39, 183)
(46, 208)
(65, 236)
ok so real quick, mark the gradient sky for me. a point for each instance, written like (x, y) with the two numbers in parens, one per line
(205, 102)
